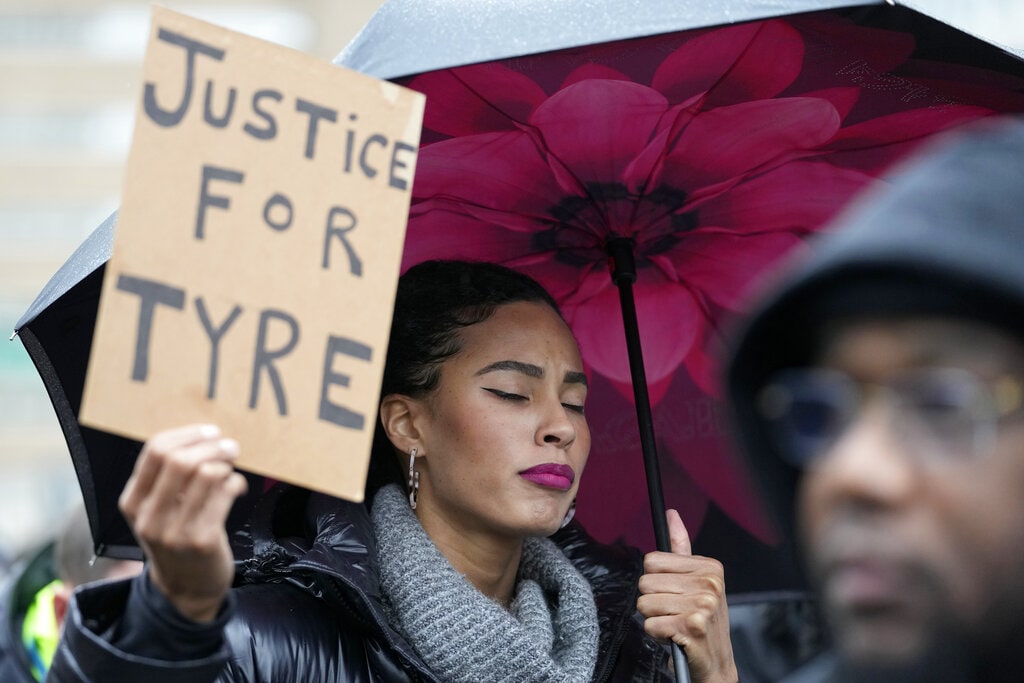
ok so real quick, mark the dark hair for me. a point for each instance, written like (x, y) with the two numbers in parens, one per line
(434, 301)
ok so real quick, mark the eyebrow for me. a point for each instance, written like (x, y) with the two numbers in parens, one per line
(530, 370)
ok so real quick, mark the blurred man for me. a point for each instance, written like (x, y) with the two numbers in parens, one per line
(881, 387)
(34, 601)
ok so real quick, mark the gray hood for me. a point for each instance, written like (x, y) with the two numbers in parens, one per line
(945, 236)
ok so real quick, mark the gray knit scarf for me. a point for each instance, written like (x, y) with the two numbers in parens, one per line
(549, 632)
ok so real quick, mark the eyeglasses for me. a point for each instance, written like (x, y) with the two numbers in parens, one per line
(938, 413)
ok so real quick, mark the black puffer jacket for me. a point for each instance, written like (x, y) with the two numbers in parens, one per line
(309, 608)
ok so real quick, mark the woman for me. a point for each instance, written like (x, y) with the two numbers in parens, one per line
(448, 574)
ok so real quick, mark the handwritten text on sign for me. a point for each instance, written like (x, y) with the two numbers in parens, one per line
(257, 253)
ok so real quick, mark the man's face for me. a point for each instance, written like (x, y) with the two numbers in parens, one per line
(912, 518)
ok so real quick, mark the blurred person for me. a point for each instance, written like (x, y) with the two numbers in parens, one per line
(35, 598)
(446, 572)
(880, 386)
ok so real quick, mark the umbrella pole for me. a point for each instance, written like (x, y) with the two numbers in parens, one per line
(623, 267)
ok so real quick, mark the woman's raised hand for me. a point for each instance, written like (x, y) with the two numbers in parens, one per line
(682, 597)
(177, 501)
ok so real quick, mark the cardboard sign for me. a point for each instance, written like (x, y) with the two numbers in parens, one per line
(256, 255)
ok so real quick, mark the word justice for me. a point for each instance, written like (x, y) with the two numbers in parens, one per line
(364, 152)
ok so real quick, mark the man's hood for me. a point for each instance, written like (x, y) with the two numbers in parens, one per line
(945, 235)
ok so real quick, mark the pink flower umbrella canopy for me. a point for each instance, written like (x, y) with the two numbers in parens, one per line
(715, 152)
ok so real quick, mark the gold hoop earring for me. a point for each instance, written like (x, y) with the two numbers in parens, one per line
(414, 479)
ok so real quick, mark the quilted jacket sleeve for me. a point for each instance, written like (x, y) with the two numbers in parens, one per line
(269, 632)
(112, 633)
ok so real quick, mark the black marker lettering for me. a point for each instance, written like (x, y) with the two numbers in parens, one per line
(208, 115)
(270, 131)
(150, 294)
(396, 163)
(332, 412)
(206, 199)
(264, 358)
(172, 117)
(355, 264)
(214, 334)
(316, 112)
(268, 212)
(368, 170)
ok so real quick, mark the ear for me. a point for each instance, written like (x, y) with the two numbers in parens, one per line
(402, 418)
(61, 598)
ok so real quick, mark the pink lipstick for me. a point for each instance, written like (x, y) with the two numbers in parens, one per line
(551, 475)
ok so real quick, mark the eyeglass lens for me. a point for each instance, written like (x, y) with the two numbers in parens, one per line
(940, 413)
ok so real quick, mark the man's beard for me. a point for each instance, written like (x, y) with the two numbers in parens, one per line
(946, 660)
(949, 658)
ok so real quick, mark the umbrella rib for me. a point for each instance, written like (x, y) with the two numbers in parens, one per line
(464, 206)
(536, 135)
(488, 103)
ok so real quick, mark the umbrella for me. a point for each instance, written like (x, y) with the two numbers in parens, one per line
(648, 162)
(57, 330)
(916, 78)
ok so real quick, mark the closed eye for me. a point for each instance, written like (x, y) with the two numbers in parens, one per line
(504, 395)
(573, 407)
(507, 396)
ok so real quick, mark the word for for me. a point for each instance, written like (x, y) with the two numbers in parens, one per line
(278, 214)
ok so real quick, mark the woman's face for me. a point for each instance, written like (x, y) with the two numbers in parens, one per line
(503, 437)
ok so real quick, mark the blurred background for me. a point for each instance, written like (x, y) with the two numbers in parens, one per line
(68, 84)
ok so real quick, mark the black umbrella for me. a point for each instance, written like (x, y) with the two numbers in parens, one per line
(57, 332)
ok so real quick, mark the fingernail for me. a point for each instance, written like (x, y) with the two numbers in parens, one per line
(209, 431)
(229, 446)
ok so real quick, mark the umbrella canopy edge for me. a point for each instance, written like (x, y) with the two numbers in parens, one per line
(75, 442)
(397, 42)
(92, 253)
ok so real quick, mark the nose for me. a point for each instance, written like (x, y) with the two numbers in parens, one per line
(556, 425)
(868, 467)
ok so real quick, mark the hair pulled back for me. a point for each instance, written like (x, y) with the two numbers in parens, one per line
(435, 300)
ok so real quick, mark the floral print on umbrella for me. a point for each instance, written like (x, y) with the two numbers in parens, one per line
(717, 152)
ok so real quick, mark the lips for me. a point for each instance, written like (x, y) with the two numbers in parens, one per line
(866, 583)
(550, 475)
(860, 568)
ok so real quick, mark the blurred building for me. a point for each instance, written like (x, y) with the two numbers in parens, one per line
(69, 79)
